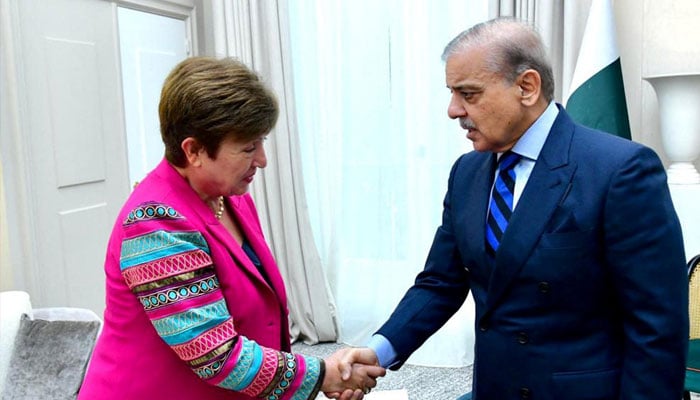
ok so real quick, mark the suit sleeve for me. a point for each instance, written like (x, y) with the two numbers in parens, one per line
(646, 256)
(167, 265)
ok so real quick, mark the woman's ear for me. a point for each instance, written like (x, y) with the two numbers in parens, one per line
(193, 150)
(530, 86)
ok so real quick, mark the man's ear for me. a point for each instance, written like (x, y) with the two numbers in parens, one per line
(530, 84)
(193, 150)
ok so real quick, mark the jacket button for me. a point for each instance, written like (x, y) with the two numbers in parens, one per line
(524, 393)
(522, 338)
(543, 287)
(483, 326)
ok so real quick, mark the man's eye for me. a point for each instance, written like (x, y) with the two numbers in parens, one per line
(249, 149)
(467, 95)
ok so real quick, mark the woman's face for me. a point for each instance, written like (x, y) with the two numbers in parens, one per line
(231, 171)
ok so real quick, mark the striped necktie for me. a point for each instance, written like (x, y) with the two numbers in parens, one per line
(501, 206)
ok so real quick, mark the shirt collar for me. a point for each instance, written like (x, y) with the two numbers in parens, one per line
(530, 144)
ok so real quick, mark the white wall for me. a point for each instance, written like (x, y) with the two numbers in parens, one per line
(657, 38)
(5, 271)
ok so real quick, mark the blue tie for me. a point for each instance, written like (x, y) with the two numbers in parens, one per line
(501, 206)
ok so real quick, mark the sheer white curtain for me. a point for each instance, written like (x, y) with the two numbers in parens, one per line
(377, 147)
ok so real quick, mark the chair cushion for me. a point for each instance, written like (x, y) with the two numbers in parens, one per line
(692, 371)
(49, 358)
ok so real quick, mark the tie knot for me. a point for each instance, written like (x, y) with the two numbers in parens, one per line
(508, 160)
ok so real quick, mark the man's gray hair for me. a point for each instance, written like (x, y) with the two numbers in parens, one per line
(514, 47)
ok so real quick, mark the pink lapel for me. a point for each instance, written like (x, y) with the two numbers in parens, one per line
(245, 213)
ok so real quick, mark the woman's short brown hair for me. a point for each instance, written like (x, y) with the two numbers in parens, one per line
(210, 100)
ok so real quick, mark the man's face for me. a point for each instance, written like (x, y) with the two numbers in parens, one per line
(487, 106)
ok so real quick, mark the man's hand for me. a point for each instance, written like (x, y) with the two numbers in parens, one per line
(350, 373)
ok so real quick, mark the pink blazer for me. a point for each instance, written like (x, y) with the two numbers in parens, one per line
(188, 314)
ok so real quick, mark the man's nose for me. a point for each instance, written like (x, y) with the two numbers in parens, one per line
(455, 109)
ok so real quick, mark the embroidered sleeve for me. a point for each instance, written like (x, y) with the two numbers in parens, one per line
(171, 272)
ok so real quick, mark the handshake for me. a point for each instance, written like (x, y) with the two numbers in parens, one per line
(351, 373)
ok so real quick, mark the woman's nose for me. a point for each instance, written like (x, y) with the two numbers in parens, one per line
(260, 160)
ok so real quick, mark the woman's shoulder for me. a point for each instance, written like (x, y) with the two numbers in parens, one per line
(151, 208)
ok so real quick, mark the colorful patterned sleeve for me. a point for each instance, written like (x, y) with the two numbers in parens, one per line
(170, 270)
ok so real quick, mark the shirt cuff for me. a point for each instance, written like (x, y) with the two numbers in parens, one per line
(384, 350)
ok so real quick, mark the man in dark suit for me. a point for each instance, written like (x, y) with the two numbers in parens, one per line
(581, 293)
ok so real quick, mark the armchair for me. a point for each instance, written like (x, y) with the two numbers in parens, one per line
(44, 352)
(692, 371)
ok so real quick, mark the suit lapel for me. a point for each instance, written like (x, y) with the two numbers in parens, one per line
(218, 231)
(257, 242)
(548, 184)
(477, 206)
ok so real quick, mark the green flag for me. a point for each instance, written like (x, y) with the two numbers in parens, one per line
(597, 94)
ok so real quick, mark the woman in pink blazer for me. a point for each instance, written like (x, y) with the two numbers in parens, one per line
(196, 307)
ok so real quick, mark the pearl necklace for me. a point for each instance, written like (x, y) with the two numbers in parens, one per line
(218, 213)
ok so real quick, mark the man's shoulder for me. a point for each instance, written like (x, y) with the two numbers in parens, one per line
(587, 137)
(602, 151)
(597, 140)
